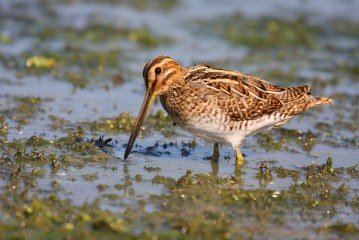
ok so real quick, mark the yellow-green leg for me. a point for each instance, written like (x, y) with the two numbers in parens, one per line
(215, 154)
(239, 156)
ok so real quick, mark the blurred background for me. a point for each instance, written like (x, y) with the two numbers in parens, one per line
(71, 72)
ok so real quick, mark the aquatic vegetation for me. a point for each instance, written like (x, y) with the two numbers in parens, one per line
(3, 126)
(41, 62)
(160, 121)
(268, 31)
(282, 138)
(143, 5)
(21, 109)
(122, 123)
(5, 39)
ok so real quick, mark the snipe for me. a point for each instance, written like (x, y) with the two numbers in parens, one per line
(219, 105)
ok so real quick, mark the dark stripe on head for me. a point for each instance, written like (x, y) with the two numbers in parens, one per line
(151, 63)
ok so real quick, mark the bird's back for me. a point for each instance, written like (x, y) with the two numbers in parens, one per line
(246, 97)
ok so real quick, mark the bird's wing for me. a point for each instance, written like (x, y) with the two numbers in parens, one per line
(242, 96)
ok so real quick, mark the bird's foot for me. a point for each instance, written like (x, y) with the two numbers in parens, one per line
(215, 155)
(239, 157)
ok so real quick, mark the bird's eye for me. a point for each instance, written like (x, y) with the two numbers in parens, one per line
(158, 70)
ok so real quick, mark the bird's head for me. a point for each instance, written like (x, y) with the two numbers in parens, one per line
(160, 75)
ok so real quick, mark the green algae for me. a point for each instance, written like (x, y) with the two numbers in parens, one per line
(268, 32)
(145, 5)
(284, 173)
(21, 109)
(124, 122)
(98, 32)
(79, 53)
(152, 169)
(57, 123)
(59, 153)
(209, 205)
(59, 219)
(4, 126)
(5, 39)
(41, 62)
(90, 176)
(193, 206)
(282, 138)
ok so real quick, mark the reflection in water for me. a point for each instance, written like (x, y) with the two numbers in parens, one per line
(214, 167)
(264, 175)
(128, 189)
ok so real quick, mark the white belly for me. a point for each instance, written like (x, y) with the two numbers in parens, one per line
(220, 132)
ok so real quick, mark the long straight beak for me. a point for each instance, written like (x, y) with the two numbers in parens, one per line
(147, 102)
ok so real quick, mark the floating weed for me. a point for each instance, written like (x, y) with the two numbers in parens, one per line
(4, 126)
(325, 127)
(117, 79)
(90, 176)
(58, 153)
(281, 139)
(145, 38)
(67, 62)
(267, 142)
(124, 123)
(205, 192)
(64, 63)
(327, 167)
(111, 196)
(145, 5)
(345, 27)
(353, 171)
(57, 123)
(268, 32)
(58, 218)
(152, 169)
(167, 181)
(342, 228)
(73, 56)
(39, 61)
(97, 32)
(37, 141)
(195, 205)
(77, 79)
(102, 187)
(22, 109)
(37, 172)
(284, 173)
(124, 186)
(5, 39)
(138, 178)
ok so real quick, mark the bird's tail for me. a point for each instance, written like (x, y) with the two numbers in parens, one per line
(321, 100)
(305, 102)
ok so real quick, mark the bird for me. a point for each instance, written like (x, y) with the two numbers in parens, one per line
(217, 104)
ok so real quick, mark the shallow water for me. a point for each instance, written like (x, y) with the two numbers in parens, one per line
(53, 175)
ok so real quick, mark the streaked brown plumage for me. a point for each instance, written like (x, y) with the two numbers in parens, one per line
(220, 105)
